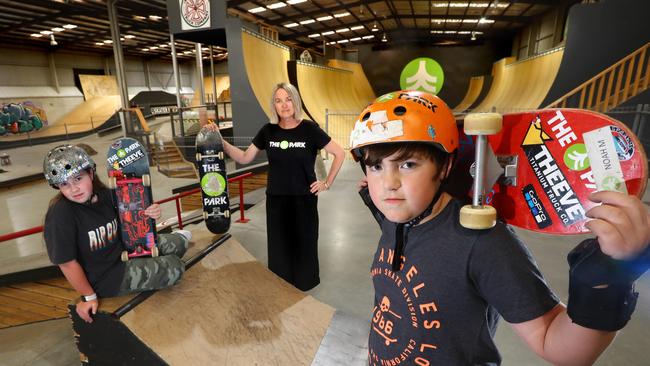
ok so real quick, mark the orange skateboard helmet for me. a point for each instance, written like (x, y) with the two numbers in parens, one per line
(405, 116)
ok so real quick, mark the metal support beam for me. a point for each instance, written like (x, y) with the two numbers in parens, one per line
(119, 64)
(177, 76)
(214, 80)
(53, 73)
(147, 74)
(199, 71)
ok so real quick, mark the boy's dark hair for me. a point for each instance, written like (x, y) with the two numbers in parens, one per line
(374, 154)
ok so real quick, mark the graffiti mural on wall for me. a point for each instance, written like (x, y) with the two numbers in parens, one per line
(21, 117)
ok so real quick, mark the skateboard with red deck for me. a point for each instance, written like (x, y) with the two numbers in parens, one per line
(535, 170)
(130, 181)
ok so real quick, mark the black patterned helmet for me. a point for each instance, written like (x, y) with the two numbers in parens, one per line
(65, 161)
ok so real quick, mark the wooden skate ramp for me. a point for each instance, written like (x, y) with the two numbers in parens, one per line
(223, 83)
(473, 91)
(519, 86)
(266, 65)
(362, 88)
(228, 309)
(86, 116)
(98, 85)
(335, 90)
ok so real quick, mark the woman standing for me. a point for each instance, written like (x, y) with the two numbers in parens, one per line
(291, 144)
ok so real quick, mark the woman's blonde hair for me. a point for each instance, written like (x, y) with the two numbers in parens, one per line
(295, 98)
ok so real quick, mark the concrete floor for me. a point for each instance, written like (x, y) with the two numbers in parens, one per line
(348, 237)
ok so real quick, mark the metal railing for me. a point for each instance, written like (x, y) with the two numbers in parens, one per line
(339, 125)
(613, 86)
(176, 198)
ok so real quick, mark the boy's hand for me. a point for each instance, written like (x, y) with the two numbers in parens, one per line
(85, 309)
(153, 211)
(621, 223)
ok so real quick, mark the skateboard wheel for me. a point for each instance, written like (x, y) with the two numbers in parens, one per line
(482, 217)
(220, 154)
(483, 123)
(198, 157)
(205, 215)
(125, 256)
(146, 180)
(226, 214)
(155, 252)
(112, 182)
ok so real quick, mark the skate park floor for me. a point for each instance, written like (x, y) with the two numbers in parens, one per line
(348, 237)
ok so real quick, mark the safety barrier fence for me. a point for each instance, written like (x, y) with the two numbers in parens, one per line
(176, 198)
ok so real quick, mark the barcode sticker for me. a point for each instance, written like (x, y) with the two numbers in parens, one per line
(604, 161)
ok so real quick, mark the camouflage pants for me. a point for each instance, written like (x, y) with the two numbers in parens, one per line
(145, 274)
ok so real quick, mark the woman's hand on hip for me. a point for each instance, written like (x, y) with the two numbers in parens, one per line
(318, 186)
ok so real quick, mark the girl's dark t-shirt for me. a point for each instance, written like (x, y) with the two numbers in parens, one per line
(90, 234)
(291, 154)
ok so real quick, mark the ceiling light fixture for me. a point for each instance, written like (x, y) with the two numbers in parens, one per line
(257, 10)
(53, 41)
(276, 5)
(383, 38)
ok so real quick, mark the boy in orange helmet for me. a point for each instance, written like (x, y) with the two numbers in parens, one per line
(440, 288)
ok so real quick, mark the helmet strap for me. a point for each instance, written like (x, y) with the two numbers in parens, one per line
(401, 232)
(91, 172)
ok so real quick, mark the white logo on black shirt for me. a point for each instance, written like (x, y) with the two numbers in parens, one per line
(284, 144)
(101, 236)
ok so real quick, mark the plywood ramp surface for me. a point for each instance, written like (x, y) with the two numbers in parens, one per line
(98, 85)
(522, 85)
(86, 116)
(229, 309)
(222, 82)
(473, 91)
(361, 85)
(266, 66)
(328, 88)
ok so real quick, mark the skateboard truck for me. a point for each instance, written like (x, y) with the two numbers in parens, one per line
(497, 167)
(216, 213)
(477, 215)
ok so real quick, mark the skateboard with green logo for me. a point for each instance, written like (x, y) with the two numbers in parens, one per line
(214, 182)
(128, 178)
(538, 168)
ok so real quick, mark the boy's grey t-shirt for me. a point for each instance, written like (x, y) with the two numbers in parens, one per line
(443, 306)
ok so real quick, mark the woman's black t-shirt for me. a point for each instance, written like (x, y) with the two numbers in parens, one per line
(89, 234)
(291, 154)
